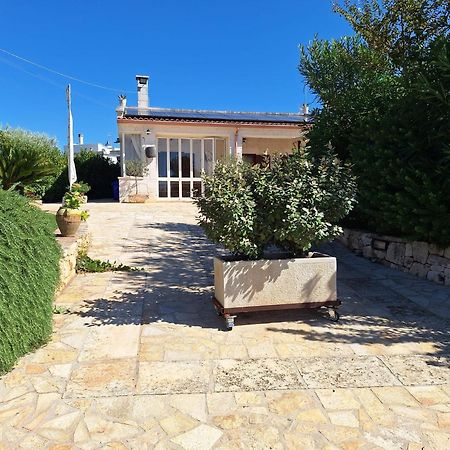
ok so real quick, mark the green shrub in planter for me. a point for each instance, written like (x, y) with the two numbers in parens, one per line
(290, 203)
(29, 274)
(135, 168)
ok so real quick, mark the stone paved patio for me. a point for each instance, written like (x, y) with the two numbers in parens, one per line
(141, 360)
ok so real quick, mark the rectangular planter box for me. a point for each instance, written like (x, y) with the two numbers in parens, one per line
(275, 283)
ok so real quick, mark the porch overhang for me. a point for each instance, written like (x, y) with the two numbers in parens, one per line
(213, 117)
(239, 124)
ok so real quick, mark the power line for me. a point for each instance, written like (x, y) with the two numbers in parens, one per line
(51, 82)
(48, 69)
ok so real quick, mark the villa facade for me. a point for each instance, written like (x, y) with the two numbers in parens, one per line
(177, 145)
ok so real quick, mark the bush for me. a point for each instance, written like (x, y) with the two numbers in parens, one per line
(403, 158)
(385, 97)
(94, 169)
(29, 162)
(291, 202)
(135, 168)
(29, 274)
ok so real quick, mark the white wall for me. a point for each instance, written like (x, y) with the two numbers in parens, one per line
(258, 139)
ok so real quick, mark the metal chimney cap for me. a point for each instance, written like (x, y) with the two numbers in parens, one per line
(142, 78)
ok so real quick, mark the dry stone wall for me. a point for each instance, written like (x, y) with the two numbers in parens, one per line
(419, 258)
(70, 247)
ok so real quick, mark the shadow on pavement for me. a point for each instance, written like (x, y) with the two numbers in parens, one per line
(177, 288)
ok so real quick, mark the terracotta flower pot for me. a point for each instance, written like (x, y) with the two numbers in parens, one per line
(137, 198)
(68, 221)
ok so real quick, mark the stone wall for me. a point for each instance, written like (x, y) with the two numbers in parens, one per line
(419, 258)
(70, 247)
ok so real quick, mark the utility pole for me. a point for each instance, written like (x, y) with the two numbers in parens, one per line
(70, 161)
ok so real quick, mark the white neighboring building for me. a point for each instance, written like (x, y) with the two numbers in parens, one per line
(110, 152)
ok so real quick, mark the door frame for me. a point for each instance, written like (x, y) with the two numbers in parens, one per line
(170, 179)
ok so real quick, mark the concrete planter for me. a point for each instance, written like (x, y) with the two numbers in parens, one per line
(243, 286)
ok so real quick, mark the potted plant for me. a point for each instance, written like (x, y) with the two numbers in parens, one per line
(69, 215)
(136, 169)
(268, 217)
(83, 188)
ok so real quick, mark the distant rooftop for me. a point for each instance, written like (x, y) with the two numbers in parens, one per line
(199, 115)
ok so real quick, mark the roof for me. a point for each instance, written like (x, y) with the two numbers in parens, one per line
(198, 115)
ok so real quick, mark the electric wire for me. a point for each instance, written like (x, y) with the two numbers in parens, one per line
(61, 74)
(51, 82)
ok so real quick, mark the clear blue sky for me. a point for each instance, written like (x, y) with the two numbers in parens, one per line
(231, 55)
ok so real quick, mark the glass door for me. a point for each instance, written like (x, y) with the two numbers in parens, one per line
(181, 162)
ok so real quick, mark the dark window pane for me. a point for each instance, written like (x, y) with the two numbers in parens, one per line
(196, 158)
(162, 157)
(174, 168)
(185, 158)
(185, 167)
(174, 164)
(249, 158)
(259, 159)
(163, 188)
(174, 189)
(185, 189)
(197, 189)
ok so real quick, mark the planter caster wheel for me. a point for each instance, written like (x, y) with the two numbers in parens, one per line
(333, 314)
(229, 322)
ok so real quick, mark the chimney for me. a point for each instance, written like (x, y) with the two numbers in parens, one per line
(142, 90)
(80, 139)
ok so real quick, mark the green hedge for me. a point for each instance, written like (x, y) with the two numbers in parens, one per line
(402, 157)
(392, 125)
(29, 274)
(96, 170)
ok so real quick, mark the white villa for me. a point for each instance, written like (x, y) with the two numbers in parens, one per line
(178, 144)
(107, 150)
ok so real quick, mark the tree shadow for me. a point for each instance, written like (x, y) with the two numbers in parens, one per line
(374, 315)
(177, 285)
(177, 288)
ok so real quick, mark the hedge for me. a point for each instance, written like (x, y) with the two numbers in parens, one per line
(92, 168)
(29, 274)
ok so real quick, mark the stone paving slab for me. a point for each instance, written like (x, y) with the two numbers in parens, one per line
(356, 371)
(140, 359)
(425, 370)
(115, 377)
(256, 375)
(97, 346)
(180, 377)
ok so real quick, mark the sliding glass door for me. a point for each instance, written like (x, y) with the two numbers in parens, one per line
(181, 162)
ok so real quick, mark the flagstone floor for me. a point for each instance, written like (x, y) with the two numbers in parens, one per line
(140, 359)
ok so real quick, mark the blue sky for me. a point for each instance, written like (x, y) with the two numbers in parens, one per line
(232, 55)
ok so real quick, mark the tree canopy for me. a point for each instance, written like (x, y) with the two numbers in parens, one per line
(385, 95)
